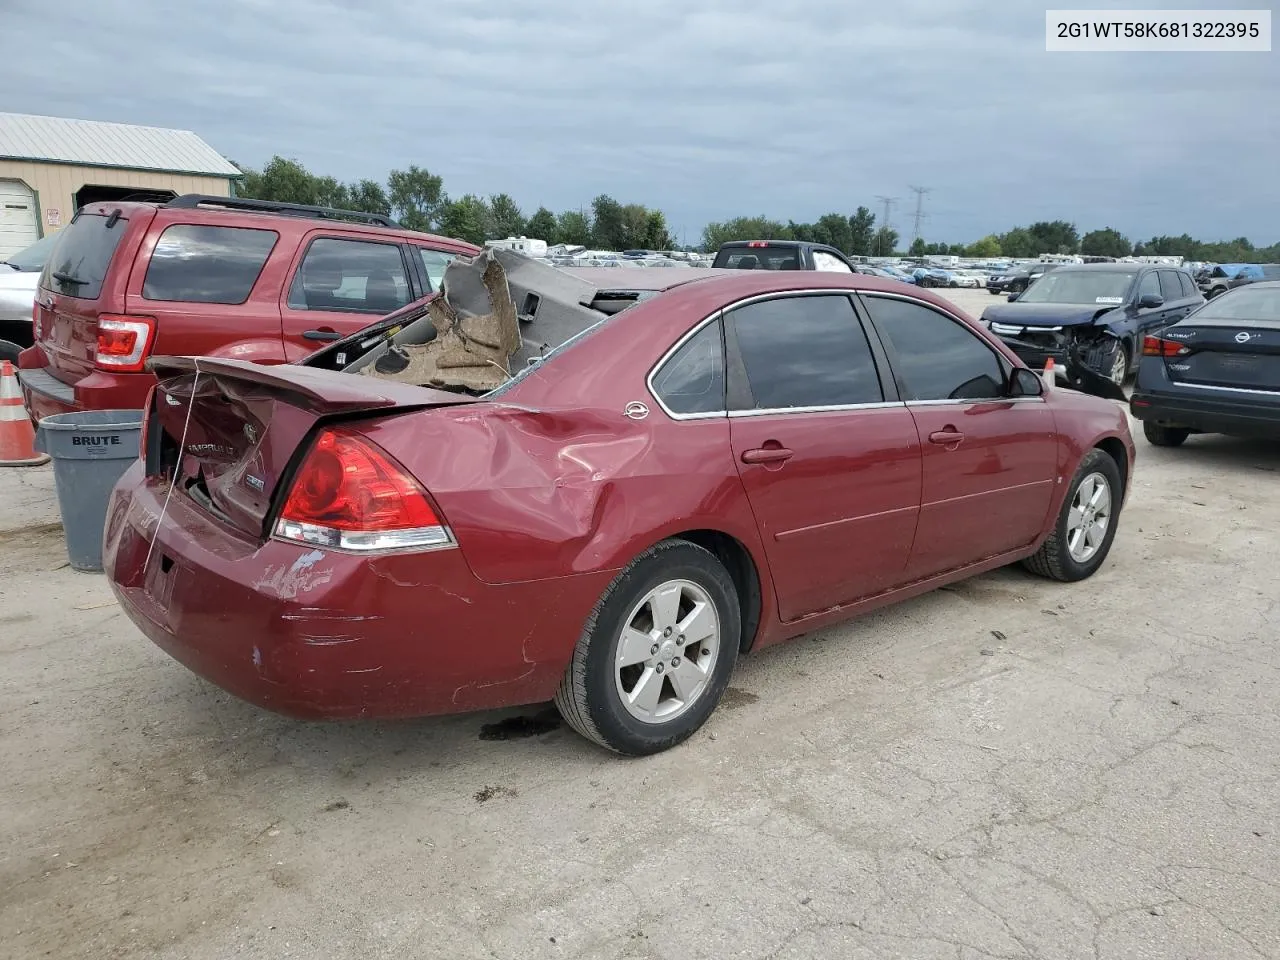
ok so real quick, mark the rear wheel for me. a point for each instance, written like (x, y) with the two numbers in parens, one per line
(656, 653)
(1086, 524)
(1164, 436)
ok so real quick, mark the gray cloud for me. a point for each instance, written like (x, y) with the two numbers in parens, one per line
(706, 110)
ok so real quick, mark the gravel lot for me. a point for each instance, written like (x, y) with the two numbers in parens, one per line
(1006, 768)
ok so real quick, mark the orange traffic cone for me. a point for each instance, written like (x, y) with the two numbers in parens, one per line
(1050, 375)
(16, 436)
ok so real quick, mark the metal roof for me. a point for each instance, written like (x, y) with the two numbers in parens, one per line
(93, 143)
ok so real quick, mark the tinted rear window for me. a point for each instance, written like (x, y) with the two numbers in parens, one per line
(200, 264)
(1247, 306)
(80, 259)
(759, 258)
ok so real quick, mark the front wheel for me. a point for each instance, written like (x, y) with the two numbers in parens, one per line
(1086, 524)
(656, 653)
(1164, 436)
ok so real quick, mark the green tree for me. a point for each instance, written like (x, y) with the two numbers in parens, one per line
(862, 230)
(369, 196)
(635, 227)
(1107, 242)
(417, 198)
(885, 242)
(1057, 236)
(542, 226)
(285, 181)
(608, 227)
(986, 248)
(833, 229)
(657, 237)
(467, 218)
(573, 226)
(742, 228)
(1019, 243)
(918, 247)
(506, 218)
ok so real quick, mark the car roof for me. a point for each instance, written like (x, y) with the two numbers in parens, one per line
(212, 214)
(1112, 267)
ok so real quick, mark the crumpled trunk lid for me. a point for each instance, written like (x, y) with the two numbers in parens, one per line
(226, 433)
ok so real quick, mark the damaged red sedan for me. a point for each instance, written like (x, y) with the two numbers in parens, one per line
(601, 487)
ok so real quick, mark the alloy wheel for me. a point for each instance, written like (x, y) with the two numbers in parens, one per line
(1089, 517)
(667, 651)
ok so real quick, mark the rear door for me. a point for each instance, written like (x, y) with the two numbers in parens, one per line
(989, 460)
(200, 282)
(829, 460)
(338, 285)
(86, 276)
(1233, 343)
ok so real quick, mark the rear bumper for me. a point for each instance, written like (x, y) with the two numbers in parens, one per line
(1209, 414)
(324, 635)
(45, 395)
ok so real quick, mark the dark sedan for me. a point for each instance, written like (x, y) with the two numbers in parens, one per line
(1217, 371)
(1100, 310)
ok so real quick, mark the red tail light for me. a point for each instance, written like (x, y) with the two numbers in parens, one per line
(757, 243)
(1155, 347)
(350, 494)
(124, 342)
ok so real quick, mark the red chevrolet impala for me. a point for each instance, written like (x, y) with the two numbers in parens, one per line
(616, 483)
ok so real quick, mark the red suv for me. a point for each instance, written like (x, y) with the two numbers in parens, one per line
(210, 276)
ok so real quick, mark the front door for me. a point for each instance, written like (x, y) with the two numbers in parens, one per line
(830, 463)
(340, 285)
(989, 461)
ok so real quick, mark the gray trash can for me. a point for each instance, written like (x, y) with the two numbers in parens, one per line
(90, 451)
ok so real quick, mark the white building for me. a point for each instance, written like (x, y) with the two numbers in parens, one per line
(530, 248)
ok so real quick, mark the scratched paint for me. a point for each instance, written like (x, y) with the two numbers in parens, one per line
(301, 576)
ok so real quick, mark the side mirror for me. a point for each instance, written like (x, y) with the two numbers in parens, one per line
(1025, 383)
(1013, 297)
(1150, 300)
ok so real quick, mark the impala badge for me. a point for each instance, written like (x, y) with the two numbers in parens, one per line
(636, 410)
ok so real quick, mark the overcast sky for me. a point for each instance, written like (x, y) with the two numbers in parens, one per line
(707, 109)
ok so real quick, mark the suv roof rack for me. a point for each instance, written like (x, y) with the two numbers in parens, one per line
(190, 201)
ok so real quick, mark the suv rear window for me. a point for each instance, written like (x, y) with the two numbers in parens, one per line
(82, 255)
(759, 258)
(200, 264)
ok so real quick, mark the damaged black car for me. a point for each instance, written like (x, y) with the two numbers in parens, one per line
(1093, 315)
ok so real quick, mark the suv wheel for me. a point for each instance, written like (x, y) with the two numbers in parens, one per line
(656, 653)
(1159, 436)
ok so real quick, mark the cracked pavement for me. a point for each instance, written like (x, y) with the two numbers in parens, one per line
(1100, 783)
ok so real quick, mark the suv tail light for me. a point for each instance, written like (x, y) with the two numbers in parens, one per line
(1155, 347)
(124, 342)
(350, 494)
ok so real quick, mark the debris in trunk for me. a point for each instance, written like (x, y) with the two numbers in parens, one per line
(476, 333)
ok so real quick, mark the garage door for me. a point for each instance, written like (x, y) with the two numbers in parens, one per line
(18, 221)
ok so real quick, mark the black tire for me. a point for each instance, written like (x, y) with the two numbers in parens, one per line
(1053, 559)
(1159, 436)
(9, 351)
(588, 697)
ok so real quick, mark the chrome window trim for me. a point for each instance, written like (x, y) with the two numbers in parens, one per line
(834, 408)
(1206, 386)
(697, 327)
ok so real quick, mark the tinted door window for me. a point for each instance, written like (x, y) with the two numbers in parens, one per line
(1187, 284)
(199, 264)
(692, 380)
(353, 276)
(805, 352)
(1170, 288)
(1149, 285)
(434, 262)
(937, 358)
(82, 255)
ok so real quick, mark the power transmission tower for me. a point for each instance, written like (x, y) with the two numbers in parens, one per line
(920, 215)
(884, 224)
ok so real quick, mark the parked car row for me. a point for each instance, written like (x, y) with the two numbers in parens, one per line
(1222, 277)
